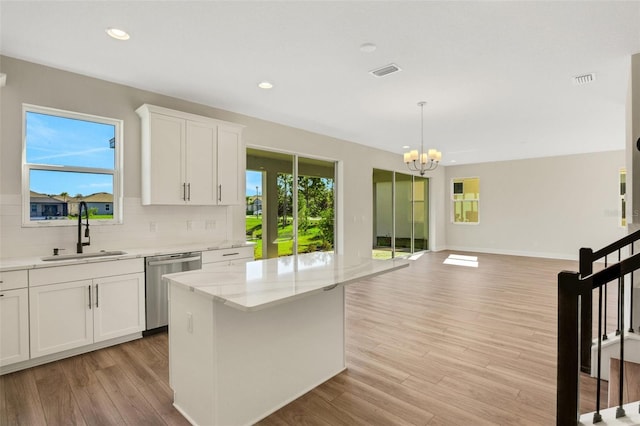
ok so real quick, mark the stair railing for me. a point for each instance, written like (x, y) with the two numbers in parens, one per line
(575, 297)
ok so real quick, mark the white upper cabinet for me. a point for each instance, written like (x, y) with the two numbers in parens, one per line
(201, 163)
(229, 173)
(189, 159)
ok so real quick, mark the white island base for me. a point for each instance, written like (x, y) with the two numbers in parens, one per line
(245, 340)
(260, 361)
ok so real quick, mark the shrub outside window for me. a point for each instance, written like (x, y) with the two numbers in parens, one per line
(67, 158)
(465, 196)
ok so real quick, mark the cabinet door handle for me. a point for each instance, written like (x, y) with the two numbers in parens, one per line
(89, 296)
(1, 294)
(220, 192)
(97, 296)
(184, 191)
(230, 254)
(189, 191)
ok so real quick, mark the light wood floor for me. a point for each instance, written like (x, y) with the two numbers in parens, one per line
(431, 344)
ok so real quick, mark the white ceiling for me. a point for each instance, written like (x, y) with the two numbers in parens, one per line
(497, 76)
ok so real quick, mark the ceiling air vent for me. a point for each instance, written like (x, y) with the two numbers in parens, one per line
(584, 79)
(386, 70)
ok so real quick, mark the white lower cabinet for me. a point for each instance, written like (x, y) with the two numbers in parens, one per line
(119, 307)
(73, 314)
(14, 326)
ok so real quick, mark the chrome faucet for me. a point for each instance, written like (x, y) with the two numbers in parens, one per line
(86, 231)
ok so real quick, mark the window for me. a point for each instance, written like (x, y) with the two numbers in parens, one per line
(465, 195)
(70, 157)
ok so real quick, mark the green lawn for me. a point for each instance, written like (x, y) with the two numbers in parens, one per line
(308, 241)
(93, 216)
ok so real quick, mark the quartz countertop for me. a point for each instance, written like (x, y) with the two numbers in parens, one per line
(11, 264)
(263, 283)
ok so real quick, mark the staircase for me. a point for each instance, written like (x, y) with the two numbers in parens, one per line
(632, 417)
(605, 296)
(631, 393)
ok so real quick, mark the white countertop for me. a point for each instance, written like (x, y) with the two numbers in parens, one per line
(264, 283)
(12, 264)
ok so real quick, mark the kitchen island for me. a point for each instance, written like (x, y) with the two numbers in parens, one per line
(246, 339)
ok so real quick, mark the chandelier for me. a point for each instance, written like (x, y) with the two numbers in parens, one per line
(422, 161)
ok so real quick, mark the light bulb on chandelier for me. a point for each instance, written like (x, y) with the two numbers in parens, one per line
(422, 161)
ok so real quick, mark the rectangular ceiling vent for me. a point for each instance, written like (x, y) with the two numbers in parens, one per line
(584, 79)
(386, 70)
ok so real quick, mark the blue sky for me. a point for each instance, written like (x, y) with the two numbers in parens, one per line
(63, 141)
(253, 179)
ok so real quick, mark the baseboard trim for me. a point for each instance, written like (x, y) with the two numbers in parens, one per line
(545, 255)
(11, 368)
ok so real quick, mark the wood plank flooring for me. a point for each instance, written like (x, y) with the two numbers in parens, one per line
(631, 384)
(431, 344)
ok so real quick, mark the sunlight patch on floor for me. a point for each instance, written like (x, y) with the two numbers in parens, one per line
(462, 260)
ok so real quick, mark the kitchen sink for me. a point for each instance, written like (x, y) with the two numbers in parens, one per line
(76, 256)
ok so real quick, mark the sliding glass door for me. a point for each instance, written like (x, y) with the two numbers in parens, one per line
(382, 214)
(403, 214)
(420, 213)
(400, 214)
(296, 203)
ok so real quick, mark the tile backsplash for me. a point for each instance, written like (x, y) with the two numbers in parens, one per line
(143, 226)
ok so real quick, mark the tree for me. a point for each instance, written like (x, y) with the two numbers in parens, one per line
(285, 199)
(326, 227)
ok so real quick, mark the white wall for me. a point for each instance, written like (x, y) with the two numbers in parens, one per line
(544, 207)
(40, 85)
(633, 167)
(547, 207)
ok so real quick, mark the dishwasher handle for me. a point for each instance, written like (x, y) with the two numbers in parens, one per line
(172, 261)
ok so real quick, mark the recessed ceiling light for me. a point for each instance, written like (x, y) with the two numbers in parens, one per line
(118, 34)
(453, 161)
(368, 47)
(265, 85)
(406, 147)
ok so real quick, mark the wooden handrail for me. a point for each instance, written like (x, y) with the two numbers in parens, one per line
(613, 272)
(622, 242)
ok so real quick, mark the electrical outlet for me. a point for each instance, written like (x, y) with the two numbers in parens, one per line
(189, 225)
(152, 226)
(210, 224)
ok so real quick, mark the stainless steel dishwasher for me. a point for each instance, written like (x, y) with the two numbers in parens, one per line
(156, 288)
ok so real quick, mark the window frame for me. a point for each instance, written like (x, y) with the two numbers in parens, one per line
(116, 172)
(454, 201)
